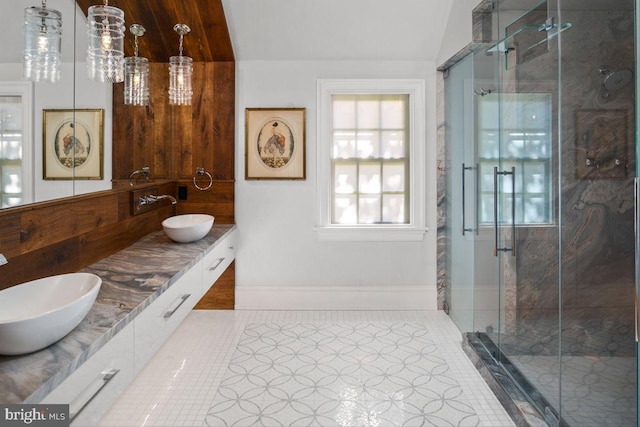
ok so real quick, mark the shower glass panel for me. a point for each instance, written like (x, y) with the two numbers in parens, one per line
(597, 169)
(564, 186)
(460, 194)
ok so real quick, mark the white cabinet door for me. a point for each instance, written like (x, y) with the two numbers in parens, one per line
(96, 385)
(217, 261)
(156, 322)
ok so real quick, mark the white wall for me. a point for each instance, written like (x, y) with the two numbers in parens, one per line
(458, 32)
(280, 261)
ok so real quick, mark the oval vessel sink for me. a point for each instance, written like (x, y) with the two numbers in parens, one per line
(34, 315)
(187, 228)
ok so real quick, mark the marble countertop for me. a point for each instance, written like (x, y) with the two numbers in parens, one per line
(131, 279)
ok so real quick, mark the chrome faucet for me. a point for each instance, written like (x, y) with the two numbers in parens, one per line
(151, 198)
(166, 196)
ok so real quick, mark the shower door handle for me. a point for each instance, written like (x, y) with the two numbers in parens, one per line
(512, 249)
(464, 227)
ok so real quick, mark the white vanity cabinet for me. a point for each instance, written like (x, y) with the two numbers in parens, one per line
(93, 388)
(96, 385)
(154, 325)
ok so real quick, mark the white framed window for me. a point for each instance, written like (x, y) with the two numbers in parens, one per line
(16, 143)
(370, 154)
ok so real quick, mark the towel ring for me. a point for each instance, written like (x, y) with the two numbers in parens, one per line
(145, 172)
(201, 172)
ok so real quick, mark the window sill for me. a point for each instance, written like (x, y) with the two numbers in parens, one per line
(371, 234)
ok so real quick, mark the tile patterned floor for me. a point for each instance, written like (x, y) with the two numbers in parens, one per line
(243, 368)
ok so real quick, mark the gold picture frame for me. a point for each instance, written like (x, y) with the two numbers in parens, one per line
(275, 143)
(72, 144)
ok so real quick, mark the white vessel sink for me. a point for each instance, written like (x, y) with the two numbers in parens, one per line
(187, 228)
(35, 314)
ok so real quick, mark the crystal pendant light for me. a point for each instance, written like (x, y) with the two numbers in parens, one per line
(136, 73)
(105, 54)
(180, 71)
(42, 34)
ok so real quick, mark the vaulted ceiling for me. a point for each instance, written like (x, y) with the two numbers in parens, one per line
(226, 30)
(208, 40)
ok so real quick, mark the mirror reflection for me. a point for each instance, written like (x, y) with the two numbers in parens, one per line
(28, 149)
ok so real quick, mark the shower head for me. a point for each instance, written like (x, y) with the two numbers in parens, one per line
(615, 80)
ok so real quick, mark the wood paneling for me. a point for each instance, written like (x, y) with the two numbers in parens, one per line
(217, 201)
(208, 40)
(221, 296)
(143, 134)
(69, 234)
(66, 220)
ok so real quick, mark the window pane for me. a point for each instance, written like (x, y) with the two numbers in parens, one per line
(368, 114)
(535, 209)
(393, 177)
(488, 147)
(393, 144)
(486, 208)
(344, 113)
(538, 146)
(9, 200)
(369, 177)
(11, 146)
(534, 178)
(514, 142)
(12, 179)
(489, 111)
(345, 179)
(393, 209)
(368, 144)
(393, 113)
(506, 207)
(344, 210)
(369, 210)
(366, 188)
(344, 144)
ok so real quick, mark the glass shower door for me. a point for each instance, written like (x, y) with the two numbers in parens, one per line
(522, 182)
(460, 193)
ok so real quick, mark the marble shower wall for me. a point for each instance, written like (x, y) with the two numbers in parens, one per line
(596, 201)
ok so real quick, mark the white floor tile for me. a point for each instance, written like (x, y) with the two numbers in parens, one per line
(298, 368)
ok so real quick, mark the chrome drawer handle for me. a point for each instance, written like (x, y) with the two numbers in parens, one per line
(170, 313)
(217, 264)
(80, 402)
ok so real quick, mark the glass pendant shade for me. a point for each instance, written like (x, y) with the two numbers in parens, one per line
(180, 71)
(105, 54)
(42, 33)
(136, 73)
(136, 81)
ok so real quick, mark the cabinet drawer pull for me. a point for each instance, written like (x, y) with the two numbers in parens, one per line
(213, 267)
(78, 404)
(182, 299)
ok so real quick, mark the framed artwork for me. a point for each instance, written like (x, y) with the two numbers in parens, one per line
(72, 144)
(275, 143)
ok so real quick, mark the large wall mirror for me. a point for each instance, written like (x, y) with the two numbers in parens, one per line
(33, 115)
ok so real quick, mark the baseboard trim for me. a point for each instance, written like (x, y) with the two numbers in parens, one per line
(336, 298)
